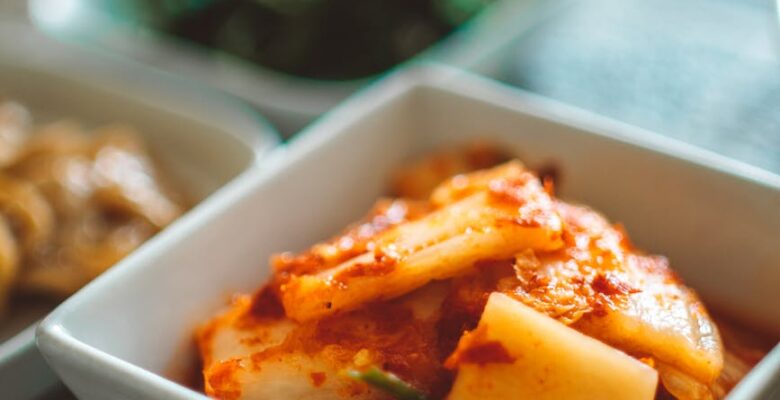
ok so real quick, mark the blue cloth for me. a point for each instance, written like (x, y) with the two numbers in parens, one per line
(702, 71)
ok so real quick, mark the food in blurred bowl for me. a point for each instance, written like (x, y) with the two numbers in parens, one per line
(321, 39)
(73, 202)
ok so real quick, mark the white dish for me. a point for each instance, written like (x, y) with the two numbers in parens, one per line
(202, 139)
(715, 218)
(290, 102)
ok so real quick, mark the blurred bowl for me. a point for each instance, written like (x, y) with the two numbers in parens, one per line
(202, 139)
(290, 102)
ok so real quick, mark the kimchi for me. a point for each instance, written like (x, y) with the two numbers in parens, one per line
(477, 285)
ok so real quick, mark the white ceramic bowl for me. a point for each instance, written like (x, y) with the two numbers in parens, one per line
(203, 140)
(289, 101)
(715, 218)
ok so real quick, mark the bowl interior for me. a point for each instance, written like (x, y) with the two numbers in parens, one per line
(717, 228)
(200, 158)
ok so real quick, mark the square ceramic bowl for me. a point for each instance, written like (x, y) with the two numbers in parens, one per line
(202, 139)
(718, 221)
(290, 102)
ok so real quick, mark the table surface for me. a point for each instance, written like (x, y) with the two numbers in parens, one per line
(702, 71)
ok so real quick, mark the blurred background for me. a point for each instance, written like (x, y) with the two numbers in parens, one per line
(706, 72)
(701, 71)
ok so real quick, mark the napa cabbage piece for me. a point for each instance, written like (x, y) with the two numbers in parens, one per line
(665, 320)
(600, 285)
(493, 215)
(519, 353)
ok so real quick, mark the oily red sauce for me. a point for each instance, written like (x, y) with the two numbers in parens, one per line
(549, 186)
(266, 304)
(466, 300)
(222, 380)
(511, 190)
(297, 264)
(608, 284)
(456, 319)
(534, 209)
(411, 348)
(585, 276)
(400, 343)
(549, 172)
(317, 378)
(490, 352)
(396, 341)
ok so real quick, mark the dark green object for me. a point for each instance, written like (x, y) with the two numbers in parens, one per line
(388, 383)
(321, 39)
